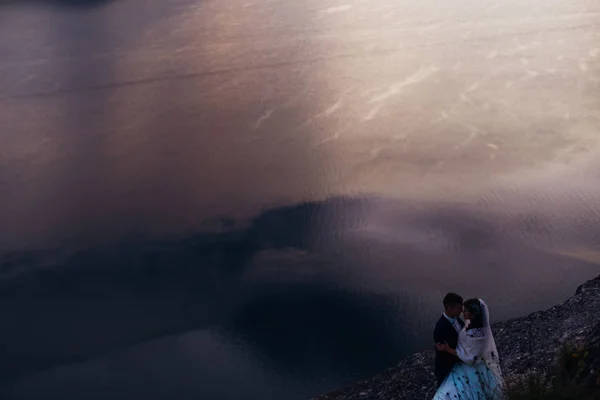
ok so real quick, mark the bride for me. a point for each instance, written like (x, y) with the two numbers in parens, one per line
(478, 376)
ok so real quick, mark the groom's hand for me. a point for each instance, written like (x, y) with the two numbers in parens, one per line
(442, 346)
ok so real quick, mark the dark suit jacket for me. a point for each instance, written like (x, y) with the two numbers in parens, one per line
(445, 332)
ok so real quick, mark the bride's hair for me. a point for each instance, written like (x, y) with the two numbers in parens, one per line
(474, 308)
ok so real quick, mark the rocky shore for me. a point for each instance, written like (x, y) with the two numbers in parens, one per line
(527, 345)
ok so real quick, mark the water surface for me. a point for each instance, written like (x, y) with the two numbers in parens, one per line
(268, 199)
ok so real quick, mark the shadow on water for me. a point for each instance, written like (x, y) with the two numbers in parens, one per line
(317, 331)
(94, 300)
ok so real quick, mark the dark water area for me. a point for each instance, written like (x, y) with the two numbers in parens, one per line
(300, 302)
(268, 199)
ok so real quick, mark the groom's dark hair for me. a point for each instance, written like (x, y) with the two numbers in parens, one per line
(452, 298)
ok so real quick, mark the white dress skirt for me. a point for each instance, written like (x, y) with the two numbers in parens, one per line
(478, 376)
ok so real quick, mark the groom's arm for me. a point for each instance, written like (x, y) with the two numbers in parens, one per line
(440, 334)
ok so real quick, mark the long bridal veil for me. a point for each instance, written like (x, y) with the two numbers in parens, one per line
(490, 351)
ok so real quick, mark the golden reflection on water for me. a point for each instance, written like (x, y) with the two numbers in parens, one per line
(210, 110)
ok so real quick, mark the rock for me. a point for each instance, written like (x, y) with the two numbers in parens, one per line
(527, 345)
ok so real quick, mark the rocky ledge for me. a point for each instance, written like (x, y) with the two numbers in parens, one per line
(527, 345)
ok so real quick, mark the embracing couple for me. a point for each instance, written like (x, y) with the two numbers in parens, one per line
(467, 366)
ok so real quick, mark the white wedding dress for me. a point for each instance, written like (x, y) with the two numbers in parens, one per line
(478, 376)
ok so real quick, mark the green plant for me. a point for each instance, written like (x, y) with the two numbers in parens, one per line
(573, 378)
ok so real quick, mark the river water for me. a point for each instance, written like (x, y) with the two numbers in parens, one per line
(268, 199)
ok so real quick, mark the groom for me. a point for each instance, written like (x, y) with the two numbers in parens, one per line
(446, 331)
